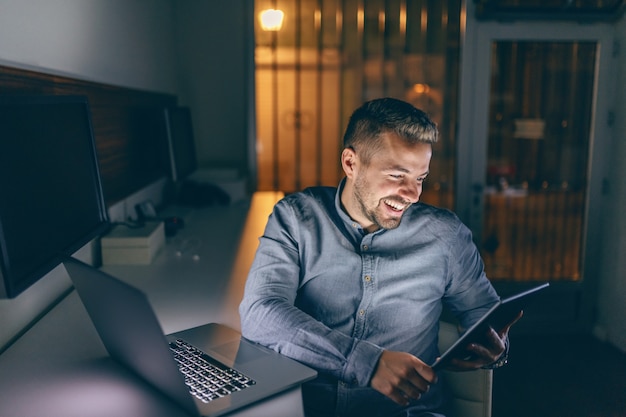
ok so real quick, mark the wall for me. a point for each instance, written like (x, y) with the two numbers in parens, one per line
(611, 323)
(216, 77)
(120, 42)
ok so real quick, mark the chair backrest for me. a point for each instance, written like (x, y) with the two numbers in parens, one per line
(470, 392)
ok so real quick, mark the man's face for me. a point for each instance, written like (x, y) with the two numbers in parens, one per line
(378, 194)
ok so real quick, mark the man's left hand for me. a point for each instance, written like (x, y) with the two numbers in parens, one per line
(485, 354)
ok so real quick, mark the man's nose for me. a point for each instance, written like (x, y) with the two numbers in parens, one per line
(411, 191)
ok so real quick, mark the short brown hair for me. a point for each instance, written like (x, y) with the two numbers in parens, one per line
(387, 115)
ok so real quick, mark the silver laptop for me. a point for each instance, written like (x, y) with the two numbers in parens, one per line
(208, 370)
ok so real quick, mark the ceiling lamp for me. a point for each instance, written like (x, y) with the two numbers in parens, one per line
(271, 19)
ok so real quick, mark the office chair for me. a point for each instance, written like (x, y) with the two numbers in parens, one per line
(469, 392)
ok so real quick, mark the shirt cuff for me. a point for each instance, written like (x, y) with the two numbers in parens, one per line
(361, 363)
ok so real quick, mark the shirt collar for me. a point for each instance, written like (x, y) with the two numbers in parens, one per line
(351, 224)
(348, 221)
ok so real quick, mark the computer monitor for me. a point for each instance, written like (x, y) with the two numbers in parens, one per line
(180, 141)
(51, 201)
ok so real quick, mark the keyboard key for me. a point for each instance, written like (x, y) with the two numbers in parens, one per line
(207, 379)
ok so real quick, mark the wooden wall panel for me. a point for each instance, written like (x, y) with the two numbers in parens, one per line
(126, 130)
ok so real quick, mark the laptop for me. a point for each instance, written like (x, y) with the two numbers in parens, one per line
(239, 372)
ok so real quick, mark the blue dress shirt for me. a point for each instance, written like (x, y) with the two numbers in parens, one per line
(324, 292)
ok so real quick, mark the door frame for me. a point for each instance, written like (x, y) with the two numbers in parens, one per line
(472, 137)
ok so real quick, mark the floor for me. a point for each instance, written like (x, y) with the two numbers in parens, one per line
(561, 376)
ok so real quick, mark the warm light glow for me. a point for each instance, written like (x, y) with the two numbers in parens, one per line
(271, 19)
(421, 88)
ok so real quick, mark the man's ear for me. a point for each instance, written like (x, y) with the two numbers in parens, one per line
(348, 161)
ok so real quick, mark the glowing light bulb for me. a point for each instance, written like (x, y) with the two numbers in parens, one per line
(271, 19)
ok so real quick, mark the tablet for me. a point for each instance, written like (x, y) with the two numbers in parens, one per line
(497, 317)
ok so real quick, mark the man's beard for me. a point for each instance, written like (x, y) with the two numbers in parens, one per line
(362, 195)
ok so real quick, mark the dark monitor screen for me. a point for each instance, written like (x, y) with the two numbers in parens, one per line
(51, 201)
(182, 148)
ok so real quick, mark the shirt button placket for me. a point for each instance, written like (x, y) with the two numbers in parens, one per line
(359, 325)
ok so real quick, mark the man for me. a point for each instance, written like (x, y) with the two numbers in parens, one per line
(351, 280)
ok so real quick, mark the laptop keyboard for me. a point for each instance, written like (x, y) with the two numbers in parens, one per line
(206, 378)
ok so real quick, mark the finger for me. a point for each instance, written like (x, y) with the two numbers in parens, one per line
(401, 393)
(481, 355)
(506, 328)
(418, 374)
(495, 341)
(401, 376)
(407, 391)
(408, 387)
(400, 398)
(461, 365)
(414, 388)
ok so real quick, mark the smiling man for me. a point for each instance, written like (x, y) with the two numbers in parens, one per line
(352, 280)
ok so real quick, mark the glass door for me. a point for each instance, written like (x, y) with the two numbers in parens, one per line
(533, 117)
(538, 140)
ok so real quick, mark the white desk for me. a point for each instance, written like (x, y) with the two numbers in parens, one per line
(59, 368)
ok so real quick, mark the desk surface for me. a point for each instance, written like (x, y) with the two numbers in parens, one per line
(60, 367)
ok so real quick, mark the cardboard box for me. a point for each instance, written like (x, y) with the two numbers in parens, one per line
(132, 245)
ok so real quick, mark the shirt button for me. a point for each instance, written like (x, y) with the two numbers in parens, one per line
(362, 312)
(368, 278)
(365, 247)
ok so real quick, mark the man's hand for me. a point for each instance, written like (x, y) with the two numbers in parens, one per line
(402, 377)
(486, 354)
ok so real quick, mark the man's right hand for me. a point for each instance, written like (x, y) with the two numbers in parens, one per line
(402, 377)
